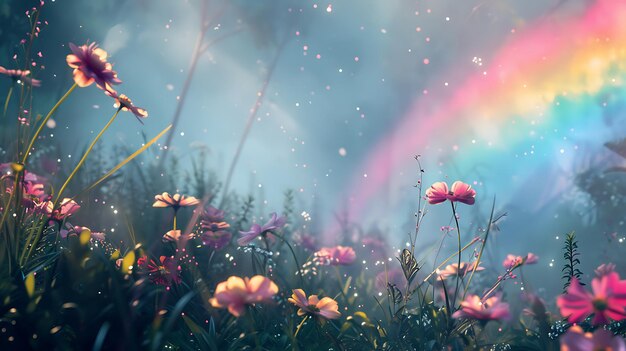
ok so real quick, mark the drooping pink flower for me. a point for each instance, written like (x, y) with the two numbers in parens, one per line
(275, 222)
(67, 208)
(491, 309)
(165, 272)
(608, 301)
(124, 103)
(20, 76)
(577, 340)
(461, 192)
(335, 256)
(236, 293)
(326, 307)
(175, 201)
(90, 66)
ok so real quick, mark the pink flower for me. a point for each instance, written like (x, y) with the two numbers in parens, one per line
(236, 293)
(165, 272)
(124, 103)
(512, 261)
(492, 309)
(67, 208)
(605, 269)
(176, 235)
(461, 192)
(334, 256)
(20, 76)
(531, 258)
(452, 270)
(326, 307)
(608, 300)
(275, 222)
(176, 201)
(214, 234)
(577, 340)
(90, 66)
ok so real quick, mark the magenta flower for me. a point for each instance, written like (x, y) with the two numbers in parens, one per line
(124, 103)
(275, 222)
(335, 256)
(577, 340)
(20, 76)
(452, 270)
(67, 208)
(237, 293)
(491, 309)
(608, 301)
(90, 66)
(461, 192)
(326, 307)
(165, 272)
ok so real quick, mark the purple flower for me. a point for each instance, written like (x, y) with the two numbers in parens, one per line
(90, 66)
(256, 230)
(577, 340)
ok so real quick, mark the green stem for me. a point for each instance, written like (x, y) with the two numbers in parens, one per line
(82, 160)
(458, 278)
(294, 257)
(175, 212)
(295, 335)
(6, 102)
(44, 121)
(482, 248)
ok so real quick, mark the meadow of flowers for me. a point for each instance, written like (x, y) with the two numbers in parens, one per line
(196, 270)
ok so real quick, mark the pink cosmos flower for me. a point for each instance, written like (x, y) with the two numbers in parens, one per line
(461, 192)
(335, 256)
(175, 201)
(511, 261)
(124, 103)
(577, 340)
(275, 222)
(236, 293)
(607, 302)
(90, 66)
(452, 270)
(326, 307)
(491, 309)
(67, 208)
(20, 76)
(165, 272)
(215, 234)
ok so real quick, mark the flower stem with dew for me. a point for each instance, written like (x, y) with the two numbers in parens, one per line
(44, 121)
(295, 335)
(84, 158)
(294, 257)
(458, 232)
(6, 102)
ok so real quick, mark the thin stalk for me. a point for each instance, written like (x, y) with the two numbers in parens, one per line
(82, 160)
(295, 335)
(482, 248)
(44, 121)
(294, 257)
(6, 102)
(458, 231)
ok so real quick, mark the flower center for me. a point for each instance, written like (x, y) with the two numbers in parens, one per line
(600, 304)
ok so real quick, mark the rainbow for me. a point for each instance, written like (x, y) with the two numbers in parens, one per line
(554, 73)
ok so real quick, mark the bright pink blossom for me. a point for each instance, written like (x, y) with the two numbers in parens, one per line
(608, 301)
(67, 208)
(577, 340)
(326, 307)
(236, 293)
(275, 222)
(461, 192)
(491, 309)
(334, 256)
(165, 272)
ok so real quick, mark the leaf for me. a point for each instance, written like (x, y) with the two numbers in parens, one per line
(128, 261)
(29, 283)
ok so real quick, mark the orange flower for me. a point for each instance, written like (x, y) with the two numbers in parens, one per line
(237, 293)
(326, 307)
(90, 66)
(124, 103)
(176, 235)
(176, 201)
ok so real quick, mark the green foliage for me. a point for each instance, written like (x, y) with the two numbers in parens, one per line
(570, 255)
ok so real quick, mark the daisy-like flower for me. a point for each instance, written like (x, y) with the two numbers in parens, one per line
(461, 192)
(176, 235)
(275, 222)
(67, 208)
(124, 103)
(90, 66)
(577, 340)
(236, 293)
(20, 76)
(165, 272)
(492, 309)
(175, 201)
(608, 301)
(452, 270)
(326, 307)
(335, 256)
